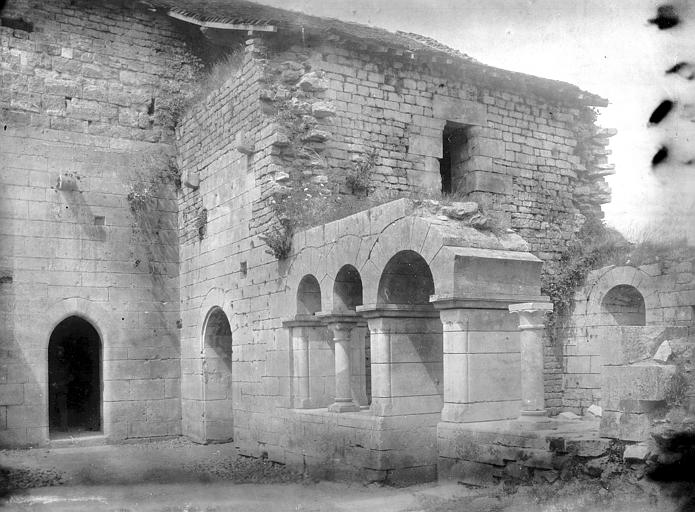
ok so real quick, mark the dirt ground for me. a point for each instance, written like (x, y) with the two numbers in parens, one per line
(179, 476)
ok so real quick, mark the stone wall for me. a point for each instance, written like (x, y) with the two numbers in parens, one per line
(87, 95)
(535, 164)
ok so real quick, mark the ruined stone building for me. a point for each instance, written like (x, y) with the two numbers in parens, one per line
(262, 252)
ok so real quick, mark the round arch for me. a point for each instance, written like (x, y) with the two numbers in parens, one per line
(217, 333)
(74, 378)
(406, 279)
(347, 289)
(621, 276)
(308, 295)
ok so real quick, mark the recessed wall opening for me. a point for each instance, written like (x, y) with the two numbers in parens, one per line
(74, 378)
(347, 295)
(407, 279)
(217, 377)
(454, 154)
(218, 334)
(308, 296)
(415, 374)
(625, 304)
(347, 291)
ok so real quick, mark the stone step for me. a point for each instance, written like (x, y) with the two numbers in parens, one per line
(78, 441)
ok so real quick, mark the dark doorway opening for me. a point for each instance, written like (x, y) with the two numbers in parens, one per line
(74, 378)
(454, 153)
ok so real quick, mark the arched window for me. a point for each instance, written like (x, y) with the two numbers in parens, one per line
(74, 378)
(626, 304)
(308, 296)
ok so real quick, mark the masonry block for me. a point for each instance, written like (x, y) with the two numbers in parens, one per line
(483, 181)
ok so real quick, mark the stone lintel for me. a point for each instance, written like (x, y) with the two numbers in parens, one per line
(459, 111)
(342, 317)
(451, 302)
(397, 311)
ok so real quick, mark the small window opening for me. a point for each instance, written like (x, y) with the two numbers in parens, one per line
(454, 155)
(17, 24)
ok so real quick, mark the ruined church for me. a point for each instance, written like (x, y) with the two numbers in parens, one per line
(321, 241)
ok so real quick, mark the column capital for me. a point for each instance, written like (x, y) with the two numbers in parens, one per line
(531, 314)
(339, 320)
(302, 321)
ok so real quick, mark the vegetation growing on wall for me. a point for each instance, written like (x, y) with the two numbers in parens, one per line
(594, 246)
(156, 174)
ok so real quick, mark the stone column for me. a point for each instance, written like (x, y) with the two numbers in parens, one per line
(531, 325)
(359, 387)
(341, 325)
(300, 327)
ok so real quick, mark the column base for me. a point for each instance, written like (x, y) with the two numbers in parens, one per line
(344, 407)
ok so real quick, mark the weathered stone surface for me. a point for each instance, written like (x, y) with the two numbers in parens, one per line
(635, 382)
(663, 352)
(568, 416)
(322, 109)
(312, 82)
(625, 426)
(595, 410)
(316, 136)
(460, 211)
(636, 452)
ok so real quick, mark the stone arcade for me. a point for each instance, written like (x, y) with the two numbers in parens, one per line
(383, 340)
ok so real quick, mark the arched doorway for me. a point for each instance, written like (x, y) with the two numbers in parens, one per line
(74, 378)
(217, 376)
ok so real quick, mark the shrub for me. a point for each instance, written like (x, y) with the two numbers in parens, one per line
(279, 240)
(595, 246)
(359, 177)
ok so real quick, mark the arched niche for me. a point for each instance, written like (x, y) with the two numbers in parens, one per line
(74, 378)
(308, 296)
(625, 304)
(406, 279)
(347, 289)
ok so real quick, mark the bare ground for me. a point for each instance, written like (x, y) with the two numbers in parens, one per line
(179, 476)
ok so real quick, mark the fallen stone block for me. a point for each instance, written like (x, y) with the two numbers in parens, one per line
(312, 82)
(636, 452)
(595, 410)
(461, 211)
(663, 352)
(625, 426)
(568, 416)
